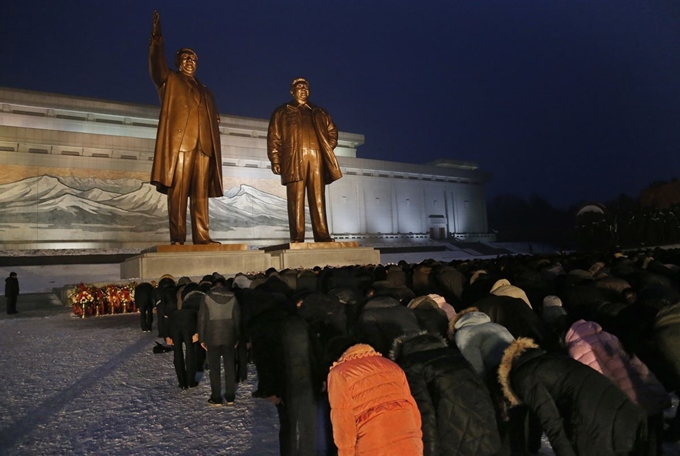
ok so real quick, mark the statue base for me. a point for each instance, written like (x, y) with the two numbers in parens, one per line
(194, 261)
(196, 248)
(295, 255)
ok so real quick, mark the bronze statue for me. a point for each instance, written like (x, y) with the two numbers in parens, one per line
(300, 144)
(187, 161)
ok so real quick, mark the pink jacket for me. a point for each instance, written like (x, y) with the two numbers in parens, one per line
(590, 345)
(372, 410)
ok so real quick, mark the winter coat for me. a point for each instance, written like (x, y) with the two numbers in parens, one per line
(581, 411)
(11, 287)
(301, 363)
(432, 320)
(587, 343)
(175, 96)
(451, 282)
(325, 315)
(666, 338)
(219, 318)
(181, 321)
(166, 306)
(396, 276)
(145, 295)
(372, 410)
(379, 324)
(401, 293)
(591, 303)
(457, 414)
(503, 288)
(515, 315)
(307, 280)
(481, 341)
(284, 142)
(424, 280)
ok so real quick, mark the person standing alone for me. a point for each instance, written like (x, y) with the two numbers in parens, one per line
(12, 292)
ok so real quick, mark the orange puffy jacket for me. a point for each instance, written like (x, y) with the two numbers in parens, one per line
(372, 410)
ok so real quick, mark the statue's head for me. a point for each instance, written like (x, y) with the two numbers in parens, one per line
(299, 88)
(186, 61)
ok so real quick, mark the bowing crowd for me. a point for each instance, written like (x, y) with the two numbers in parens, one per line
(477, 357)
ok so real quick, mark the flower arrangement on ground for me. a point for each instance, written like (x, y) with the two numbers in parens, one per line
(90, 300)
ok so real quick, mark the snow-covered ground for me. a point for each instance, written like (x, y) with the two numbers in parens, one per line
(93, 386)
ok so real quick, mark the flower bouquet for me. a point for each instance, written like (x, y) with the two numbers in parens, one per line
(82, 300)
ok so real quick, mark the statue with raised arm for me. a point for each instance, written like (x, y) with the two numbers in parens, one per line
(187, 163)
(300, 143)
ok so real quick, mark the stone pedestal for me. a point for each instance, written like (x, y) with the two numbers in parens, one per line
(311, 254)
(194, 261)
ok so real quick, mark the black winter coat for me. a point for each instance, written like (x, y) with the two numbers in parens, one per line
(432, 320)
(581, 411)
(182, 321)
(11, 287)
(458, 417)
(379, 326)
(666, 346)
(515, 315)
(301, 362)
(219, 318)
(145, 295)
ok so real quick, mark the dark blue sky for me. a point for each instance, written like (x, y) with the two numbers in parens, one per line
(567, 99)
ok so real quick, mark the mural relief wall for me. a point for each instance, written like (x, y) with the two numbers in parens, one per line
(72, 205)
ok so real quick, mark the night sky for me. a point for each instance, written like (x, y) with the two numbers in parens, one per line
(566, 99)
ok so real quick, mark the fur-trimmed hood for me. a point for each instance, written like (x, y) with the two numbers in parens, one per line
(467, 317)
(510, 356)
(413, 343)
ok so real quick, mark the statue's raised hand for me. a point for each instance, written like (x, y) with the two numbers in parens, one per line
(156, 30)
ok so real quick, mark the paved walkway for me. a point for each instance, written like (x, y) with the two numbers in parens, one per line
(34, 305)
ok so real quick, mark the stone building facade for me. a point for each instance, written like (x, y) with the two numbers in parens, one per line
(74, 174)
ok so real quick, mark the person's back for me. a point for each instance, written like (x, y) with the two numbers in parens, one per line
(481, 341)
(581, 411)
(11, 292)
(218, 331)
(372, 409)
(458, 417)
(145, 297)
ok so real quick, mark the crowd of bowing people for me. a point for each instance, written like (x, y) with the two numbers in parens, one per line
(474, 357)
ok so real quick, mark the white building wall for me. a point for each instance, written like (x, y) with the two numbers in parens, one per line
(44, 134)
